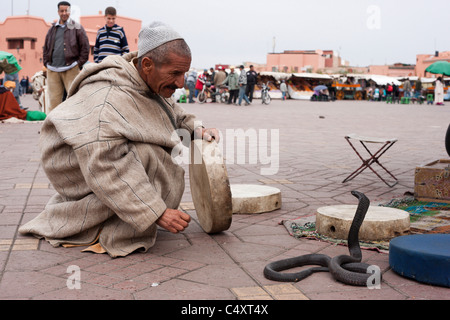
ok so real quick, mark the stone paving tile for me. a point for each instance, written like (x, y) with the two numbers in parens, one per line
(25, 244)
(5, 245)
(100, 279)
(206, 254)
(385, 293)
(258, 229)
(9, 219)
(244, 252)
(33, 260)
(130, 272)
(129, 285)
(251, 293)
(169, 246)
(3, 259)
(23, 186)
(285, 292)
(152, 278)
(274, 240)
(177, 289)
(28, 284)
(87, 291)
(221, 276)
(7, 232)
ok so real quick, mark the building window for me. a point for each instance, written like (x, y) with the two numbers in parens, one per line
(33, 44)
(15, 44)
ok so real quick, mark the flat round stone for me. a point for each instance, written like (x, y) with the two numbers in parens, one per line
(380, 223)
(249, 198)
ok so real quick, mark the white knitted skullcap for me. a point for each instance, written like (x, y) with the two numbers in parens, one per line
(155, 34)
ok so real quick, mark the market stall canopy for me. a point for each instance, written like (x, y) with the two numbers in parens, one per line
(278, 76)
(415, 78)
(8, 63)
(380, 80)
(286, 76)
(302, 85)
(312, 76)
(439, 67)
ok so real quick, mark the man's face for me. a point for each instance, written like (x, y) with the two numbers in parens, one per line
(64, 13)
(168, 77)
(110, 20)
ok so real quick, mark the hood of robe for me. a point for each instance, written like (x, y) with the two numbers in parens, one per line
(118, 70)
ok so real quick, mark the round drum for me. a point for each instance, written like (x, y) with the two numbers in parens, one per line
(210, 186)
(422, 257)
(249, 198)
(380, 223)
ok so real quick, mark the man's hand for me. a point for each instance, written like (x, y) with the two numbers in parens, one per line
(174, 220)
(207, 134)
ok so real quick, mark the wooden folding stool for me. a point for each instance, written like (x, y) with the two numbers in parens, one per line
(367, 163)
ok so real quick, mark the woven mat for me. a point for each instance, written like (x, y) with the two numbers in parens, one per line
(305, 227)
(425, 217)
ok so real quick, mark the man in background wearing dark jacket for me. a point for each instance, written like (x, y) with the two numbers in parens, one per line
(252, 76)
(66, 50)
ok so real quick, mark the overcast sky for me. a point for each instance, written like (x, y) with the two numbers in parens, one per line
(363, 32)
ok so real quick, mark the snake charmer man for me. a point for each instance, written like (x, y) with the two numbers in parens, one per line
(107, 150)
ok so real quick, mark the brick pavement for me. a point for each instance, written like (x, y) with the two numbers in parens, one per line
(313, 160)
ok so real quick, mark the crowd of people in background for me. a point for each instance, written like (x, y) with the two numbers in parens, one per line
(413, 91)
(240, 86)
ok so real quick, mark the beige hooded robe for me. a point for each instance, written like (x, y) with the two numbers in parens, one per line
(107, 152)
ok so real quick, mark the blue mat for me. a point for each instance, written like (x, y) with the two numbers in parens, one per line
(423, 257)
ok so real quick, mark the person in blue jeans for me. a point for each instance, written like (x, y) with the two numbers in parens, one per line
(190, 82)
(242, 82)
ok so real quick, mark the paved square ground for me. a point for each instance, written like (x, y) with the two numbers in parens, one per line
(307, 163)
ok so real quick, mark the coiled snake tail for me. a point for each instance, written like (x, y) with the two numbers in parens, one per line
(344, 268)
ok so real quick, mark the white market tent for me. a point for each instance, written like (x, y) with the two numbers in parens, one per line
(302, 84)
(415, 78)
(272, 79)
(308, 75)
(380, 80)
(295, 91)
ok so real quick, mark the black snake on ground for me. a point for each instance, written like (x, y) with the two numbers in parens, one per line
(347, 269)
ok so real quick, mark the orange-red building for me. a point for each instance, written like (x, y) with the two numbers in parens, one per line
(424, 60)
(302, 60)
(394, 70)
(326, 61)
(24, 36)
